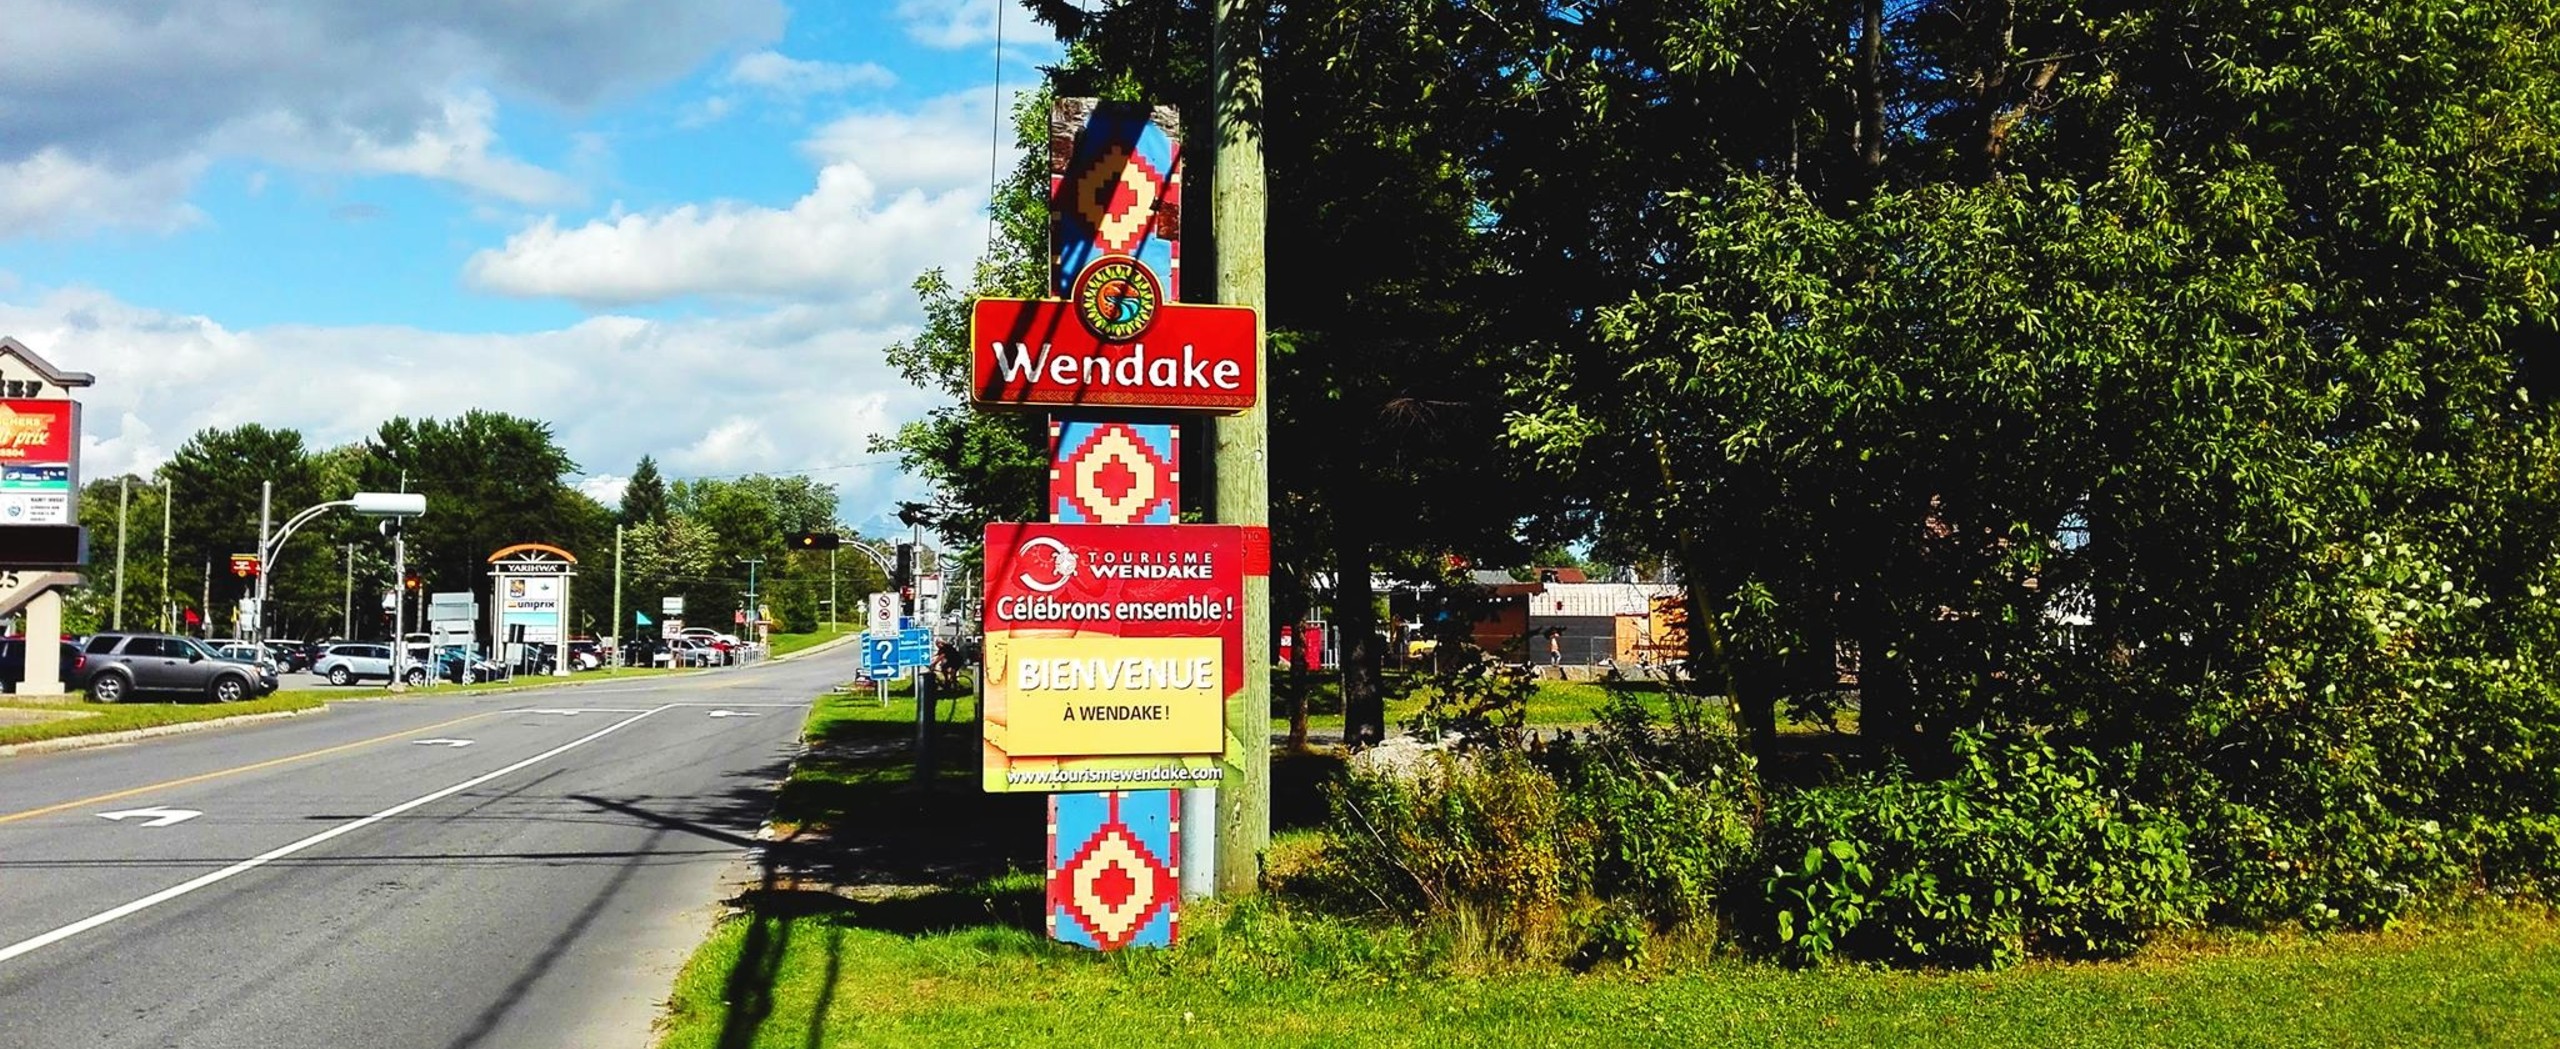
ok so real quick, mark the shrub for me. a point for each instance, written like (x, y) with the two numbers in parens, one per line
(1482, 844)
(1581, 851)
(2025, 851)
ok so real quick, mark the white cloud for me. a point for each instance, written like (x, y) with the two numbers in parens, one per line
(52, 192)
(605, 488)
(794, 77)
(953, 24)
(113, 115)
(781, 391)
(897, 193)
(946, 142)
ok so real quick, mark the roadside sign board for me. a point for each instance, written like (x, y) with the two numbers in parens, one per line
(670, 629)
(1037, 352)
(1110, 652)
(671, 606)
(883, 608)
(885, 654)
(39, 457)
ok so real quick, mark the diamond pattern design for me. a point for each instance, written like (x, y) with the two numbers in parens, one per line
(1114, 472)
(1110, 885)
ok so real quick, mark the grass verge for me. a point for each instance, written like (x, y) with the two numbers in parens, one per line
(785, 644)
(124, 717)
(102, 718)
(896, 916)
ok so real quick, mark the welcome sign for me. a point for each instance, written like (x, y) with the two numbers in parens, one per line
(1110, 653)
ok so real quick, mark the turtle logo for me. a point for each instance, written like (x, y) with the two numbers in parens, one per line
(1116, 298)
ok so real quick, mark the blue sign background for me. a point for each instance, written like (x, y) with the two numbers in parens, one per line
(890, 653)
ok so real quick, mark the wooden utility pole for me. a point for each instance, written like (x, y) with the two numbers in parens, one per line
(1238, 207)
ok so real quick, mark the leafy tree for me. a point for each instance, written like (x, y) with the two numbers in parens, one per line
(491, 480)
(215, 480)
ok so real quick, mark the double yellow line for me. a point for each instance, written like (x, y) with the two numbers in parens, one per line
(218, 774)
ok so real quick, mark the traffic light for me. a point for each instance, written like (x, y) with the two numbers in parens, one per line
(244, 565)
(816, 541)
(913, 514)
(906, 572)
(413, 582)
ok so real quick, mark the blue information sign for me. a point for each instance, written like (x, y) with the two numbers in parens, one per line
(884, 654)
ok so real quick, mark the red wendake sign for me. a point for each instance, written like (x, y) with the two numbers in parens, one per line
(1038, 352)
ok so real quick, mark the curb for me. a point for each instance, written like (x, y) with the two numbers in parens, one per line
(104, 739)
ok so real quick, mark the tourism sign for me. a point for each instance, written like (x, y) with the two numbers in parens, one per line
(1110, 653)
(1122, 348)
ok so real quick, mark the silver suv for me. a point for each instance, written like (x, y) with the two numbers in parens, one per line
(347, 664)
(121, 665)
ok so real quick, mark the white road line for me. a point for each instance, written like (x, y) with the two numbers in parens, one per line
(744, 706)
(262, 859)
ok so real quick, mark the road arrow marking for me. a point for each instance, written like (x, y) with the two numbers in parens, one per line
(442, 742)
(153, 817)
(731, 714)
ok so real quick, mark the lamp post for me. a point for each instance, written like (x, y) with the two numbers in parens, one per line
(392, 505)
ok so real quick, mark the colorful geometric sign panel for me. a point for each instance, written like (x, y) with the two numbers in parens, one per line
(1115, 869)
(1114, 472)
(1110, 653)
(1115, 188)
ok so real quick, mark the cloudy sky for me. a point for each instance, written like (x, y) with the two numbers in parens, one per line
(681, 228)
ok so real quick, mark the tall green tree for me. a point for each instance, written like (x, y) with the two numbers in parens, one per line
(644, 500)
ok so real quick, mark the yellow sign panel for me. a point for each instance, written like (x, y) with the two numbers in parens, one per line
(1095, 696)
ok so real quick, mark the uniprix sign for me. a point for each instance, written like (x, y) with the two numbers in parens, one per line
(1117, 344)
(37, 431)
(1110, 653)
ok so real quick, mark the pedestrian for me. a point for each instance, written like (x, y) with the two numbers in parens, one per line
(1555, 647)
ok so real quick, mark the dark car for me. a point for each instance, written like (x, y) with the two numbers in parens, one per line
(291, 655)
(13, 664)
(122, 665)
(644, 652)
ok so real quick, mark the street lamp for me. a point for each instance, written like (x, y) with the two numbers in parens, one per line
(393, 505)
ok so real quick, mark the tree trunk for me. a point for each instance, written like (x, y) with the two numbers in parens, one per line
(1355, 619)
(1296, 616)
(1871, 90)
(1884, 687)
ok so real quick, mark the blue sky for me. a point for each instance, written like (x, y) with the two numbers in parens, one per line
(682, 228)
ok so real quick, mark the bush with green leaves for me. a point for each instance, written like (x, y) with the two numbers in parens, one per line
(2026, 851)
(1581, 850)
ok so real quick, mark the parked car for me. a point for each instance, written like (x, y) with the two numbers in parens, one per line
(645, 652)
(362, 661)
(118, 665)
(13, 664)
(244, 652)
(692, 652)
(462, 665)
(290, 655)
(585, 653)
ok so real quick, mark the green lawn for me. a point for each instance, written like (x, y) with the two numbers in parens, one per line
(944, 970)
(1554, 704)
(915, 924)
(120, 717)
(785, 644)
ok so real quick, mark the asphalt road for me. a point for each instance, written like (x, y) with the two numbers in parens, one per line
(357, 879)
